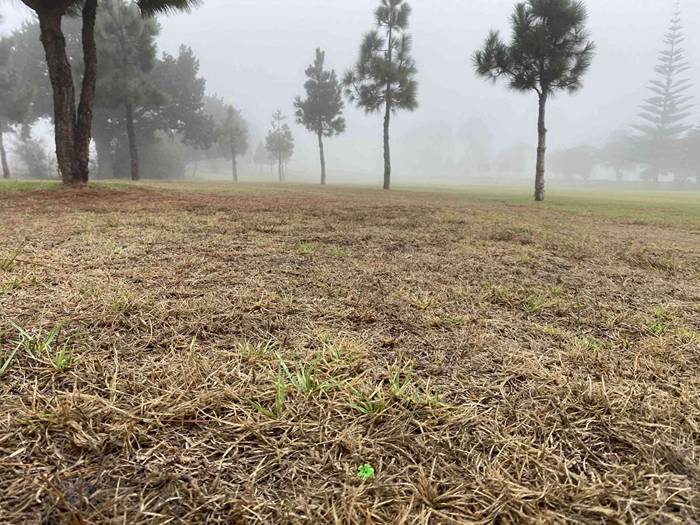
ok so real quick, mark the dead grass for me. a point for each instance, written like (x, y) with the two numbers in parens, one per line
(234, 358)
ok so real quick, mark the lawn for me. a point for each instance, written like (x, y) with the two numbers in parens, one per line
(172, 353)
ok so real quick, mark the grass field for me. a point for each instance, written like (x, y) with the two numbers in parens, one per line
(188, 354)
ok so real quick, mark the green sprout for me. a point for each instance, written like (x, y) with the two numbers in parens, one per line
(365, 472)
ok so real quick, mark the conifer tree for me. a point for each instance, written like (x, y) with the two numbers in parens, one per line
(665, 113)
(384, 77)
(549, 51)
(280, 142)
(127, 54)
(233, 135)
(15, 101)
(321, 112)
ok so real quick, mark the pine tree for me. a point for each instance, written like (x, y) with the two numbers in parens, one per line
(549, 51)
(73, 122)
(664, 115)
(233, 134)
(322, 110)
(384, 77)
(126, 54)
(280, 142)
(15, 101)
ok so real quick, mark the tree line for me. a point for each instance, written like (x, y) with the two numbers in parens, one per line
(130, 98)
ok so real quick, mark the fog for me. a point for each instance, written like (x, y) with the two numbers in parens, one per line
(254, 52)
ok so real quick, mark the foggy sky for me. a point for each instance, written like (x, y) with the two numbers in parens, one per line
(254, 52)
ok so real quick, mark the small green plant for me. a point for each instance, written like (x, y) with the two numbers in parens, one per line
(400, 379)
(43, 348)
(252, 351)
(12, 284)
(280, 398)
(35, 344)
(63, 359)
(534, 303)
(306, 249)
(7, 264)
(449, 321)
(303, 379)
(424, 303)
(662, 322)
(369, 404)
(590, 344)
(6, 360)
(365, 472)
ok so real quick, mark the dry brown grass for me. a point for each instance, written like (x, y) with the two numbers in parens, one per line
(233, 358)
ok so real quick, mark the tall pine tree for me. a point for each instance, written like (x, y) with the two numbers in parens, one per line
(665, 114)
(321, 112)
(549, 51)
(384, 78)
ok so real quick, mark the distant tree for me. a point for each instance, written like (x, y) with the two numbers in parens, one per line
(549, 51)
(514, 160)
(384, 77)
(73, 122)
(321, 112)
(171, 106)
(233, 135)
(280, 142)
(618, 154)
(127, 54)
(261, 157)
(15, 101)
(183, 113)
(664, 115)
(579, 160)
(33, 154)
(690, 156)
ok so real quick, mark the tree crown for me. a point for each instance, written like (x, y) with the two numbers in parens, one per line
(385, 71)
(322, 110)
(549, 50)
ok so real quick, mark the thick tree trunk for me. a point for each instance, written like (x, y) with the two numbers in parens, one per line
(63, 93)
(3, 153)
(541, 149)
(234, 165)
(323, 158)
(83, 129)
(133, 146)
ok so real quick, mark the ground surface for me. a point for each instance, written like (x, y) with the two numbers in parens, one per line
(233, 355)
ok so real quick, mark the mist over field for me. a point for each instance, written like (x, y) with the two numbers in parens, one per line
(253, 54)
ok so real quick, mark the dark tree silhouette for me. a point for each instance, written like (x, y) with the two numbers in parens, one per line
(549, 51)
(321, 112)
(384, 76)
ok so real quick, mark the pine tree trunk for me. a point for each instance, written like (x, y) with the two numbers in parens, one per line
(63, 93)
(279, 168)
(234, 165)
(541, 149)
(133, 146)
(323, 158)
(83, 130)
(387, 146)
(3, 153)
